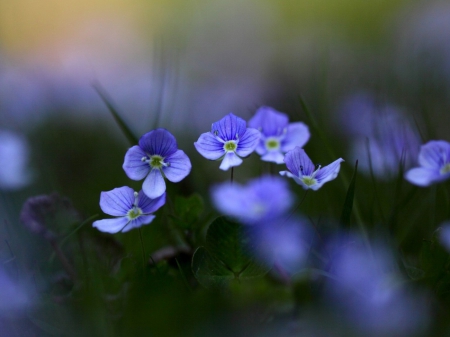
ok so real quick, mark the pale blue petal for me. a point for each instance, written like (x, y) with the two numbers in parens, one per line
(229, 127)
(148, 205)
(248, 142)
(133, 165)
(296, 160)
(297, 135)
(422, 176)
(230, 199)
(118, 201)
(269, 121)
(138, 222)
(209, 147)
(261, 147)
(434, 154)
(154, 185)
(229, 160)
(111, 225)
(274, 157)
(159, 141)
(179, 166)
(329, 172)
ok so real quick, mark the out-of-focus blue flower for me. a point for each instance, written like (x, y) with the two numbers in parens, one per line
(368, 289)
(444, 235)
(228, 140)
(381, 136)
(262, 199)
(131, 209)
(434, 161)
(14, 155)
(157, 156)
(13, 297)
(278, 136)
(303, 171)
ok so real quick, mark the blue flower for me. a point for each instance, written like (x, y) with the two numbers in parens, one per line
(131, 209)
(303, 171)
(278, 136)
(157, 156)
(434, 161)
(229, 140)
(262, 199)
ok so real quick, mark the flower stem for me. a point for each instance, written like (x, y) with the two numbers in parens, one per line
(144, 262)
(232, 174)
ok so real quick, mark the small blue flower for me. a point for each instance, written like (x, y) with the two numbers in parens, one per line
(132, 209)
(278, 136)
(262, 199)
(434, 161)
(303, 171)
(156, 157)
(229, 140)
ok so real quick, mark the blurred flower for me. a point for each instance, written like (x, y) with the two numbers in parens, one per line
(367, 288)
(14, 155)
(445, 235)
(278, 136)
(132, 209)
(12, 296)
(382, 137)
(157, 156)
(262, 199)
(434, 161)
(303, 171)
(228, 140)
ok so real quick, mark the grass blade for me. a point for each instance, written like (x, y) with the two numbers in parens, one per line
(348, 204)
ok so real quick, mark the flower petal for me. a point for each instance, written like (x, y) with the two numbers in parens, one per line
(118, 201)
(154, 185)
(328, 172)
(296, 160)
(229, 127)
(209, 147)
(296, 179)
(422, 176)
(111, 225)
(229, 160)
(148, 205)
(274, 157)
(297, 135)
(138, 222)
(269, 121)
(159, 141)
(133, 165)
(248, 142)
(179, 166)
(434, 154)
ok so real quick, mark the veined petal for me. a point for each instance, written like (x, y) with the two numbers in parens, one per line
(154, 185)
(423, 177)
(138, 222)
(179, 166)
(269, 121)
(229, 127)
(148, 205)
(209, 147)
(328, 172)
(298, 162)
(159, 141)
(111, 225)
(229, 160)
(118, 201)
(434, 154)
(133, 165)
(274, 157)
(248, 142)
(297, 134)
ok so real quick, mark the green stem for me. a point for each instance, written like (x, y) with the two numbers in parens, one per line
(232, 174)
(144, 262)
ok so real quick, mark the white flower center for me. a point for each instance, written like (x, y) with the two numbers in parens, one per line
(309, 181)
(230, 146)
(155, 161)
(272, 144)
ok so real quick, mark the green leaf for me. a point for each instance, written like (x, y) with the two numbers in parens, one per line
(348, 203)
(226, 256)
(123, 126)
(188, 210)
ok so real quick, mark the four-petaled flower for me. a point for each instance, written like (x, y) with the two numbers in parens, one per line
(132, 209)
(434, 161)
(229, 140)
(278, 136)
(261, 200)
(157, 156)
(303, 171)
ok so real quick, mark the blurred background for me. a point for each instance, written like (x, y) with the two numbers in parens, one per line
(184, 64)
